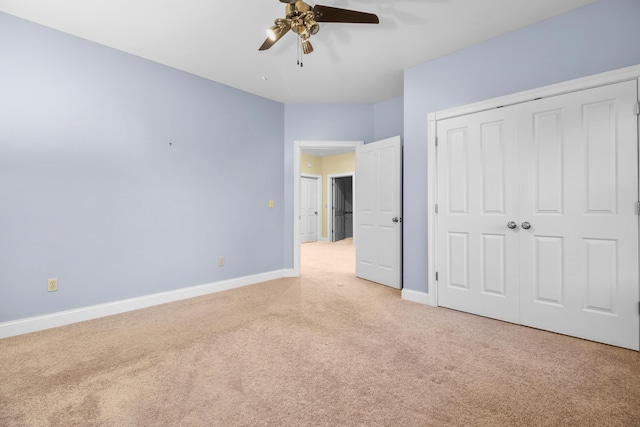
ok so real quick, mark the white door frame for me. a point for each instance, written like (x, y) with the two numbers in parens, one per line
(330, 179)
(318, 179)
(298, 146)
(623, 74)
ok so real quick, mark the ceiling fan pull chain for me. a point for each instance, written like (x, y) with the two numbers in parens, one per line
(299, 53)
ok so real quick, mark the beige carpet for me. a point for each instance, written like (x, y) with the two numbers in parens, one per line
(325, 349)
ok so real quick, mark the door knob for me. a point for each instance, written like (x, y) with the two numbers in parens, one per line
(512, 225)
(526, 225)
(396, 219)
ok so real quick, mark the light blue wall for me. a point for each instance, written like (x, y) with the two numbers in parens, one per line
(388, 119)
(92, 192)
(599, 37)
(328, 123)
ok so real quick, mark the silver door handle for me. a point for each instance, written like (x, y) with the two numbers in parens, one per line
(526, 225)
(396, 219)
(512, 225)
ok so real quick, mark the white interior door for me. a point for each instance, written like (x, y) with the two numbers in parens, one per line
(477, 198)
(308, 209)
(579, 186)
(378, 212)
(563, 171)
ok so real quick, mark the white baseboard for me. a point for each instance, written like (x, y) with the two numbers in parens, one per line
(415, 296)
(61, 318)
(289, 272)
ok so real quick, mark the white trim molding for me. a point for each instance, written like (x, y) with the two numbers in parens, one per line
(415, 296)
(62, 318)
(432, 194)
(583, 83)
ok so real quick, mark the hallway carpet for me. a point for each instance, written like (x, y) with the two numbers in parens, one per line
(325, 349)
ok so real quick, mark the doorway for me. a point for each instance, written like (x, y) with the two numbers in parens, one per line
(299, 146)
(377, 207)
(340, 207)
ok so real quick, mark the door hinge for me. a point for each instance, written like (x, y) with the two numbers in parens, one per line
(436, 276)
(637, 109)
(436, 141)
(637, 208)
(436, 208)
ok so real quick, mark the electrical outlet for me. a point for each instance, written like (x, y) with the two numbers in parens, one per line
(221, 261)
(52, 285)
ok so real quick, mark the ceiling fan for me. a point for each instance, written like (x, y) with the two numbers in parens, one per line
(304, 20)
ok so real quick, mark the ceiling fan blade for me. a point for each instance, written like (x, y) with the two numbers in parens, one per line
(270, 42)
(335, 14)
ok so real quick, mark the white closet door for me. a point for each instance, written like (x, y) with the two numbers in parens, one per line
(578, 189)
(477, 198)
(308, 209)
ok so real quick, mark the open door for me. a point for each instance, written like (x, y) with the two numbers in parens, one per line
(339, 199)
(378, 212)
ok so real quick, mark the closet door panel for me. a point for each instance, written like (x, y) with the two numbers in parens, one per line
(578, 188)
(478, 196)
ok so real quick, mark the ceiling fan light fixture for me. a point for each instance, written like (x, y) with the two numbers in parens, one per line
(297, 25)
(304, 20)
(273, 32)
(312, 26)
(306, 46)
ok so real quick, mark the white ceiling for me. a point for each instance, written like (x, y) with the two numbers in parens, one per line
(351, 64)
